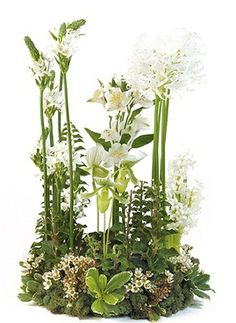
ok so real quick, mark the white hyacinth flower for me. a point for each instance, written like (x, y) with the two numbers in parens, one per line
(185, 198)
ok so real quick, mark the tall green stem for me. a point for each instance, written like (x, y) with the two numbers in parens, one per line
(109, 226)
(59, 112)
(164, 123)
(45, 179)
(115, 205)
(156, 138)
(70, 155)
(104, 235)
(97, 208)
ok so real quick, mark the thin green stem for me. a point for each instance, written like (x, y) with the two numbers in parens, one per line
(109, 226)
(97, 208)
(59, 112)
(45, 179)
(70, 155)
(104, 235)
(115, 205)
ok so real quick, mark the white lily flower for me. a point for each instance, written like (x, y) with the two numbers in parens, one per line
(116, 100)
(96, 155)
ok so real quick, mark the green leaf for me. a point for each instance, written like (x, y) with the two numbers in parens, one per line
(110, 299)
(118, 197)
(32, 48)
(53, 36)
(125, 138)
(98, 307)
(102, 282)
(132, 177)
(92, 281)
(201, 278)
(200, 294)
(97, 138)
(117, 281)
(88, 195)
(135, 113)
(32, 286)
(142, 141)
(23, 297)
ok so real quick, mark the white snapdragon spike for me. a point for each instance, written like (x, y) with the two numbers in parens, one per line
(54, 99)
(96, 155)
(185, 198)
(171, 63)
(41, 68)
(116, 99)
(59, 154)
(79, 204)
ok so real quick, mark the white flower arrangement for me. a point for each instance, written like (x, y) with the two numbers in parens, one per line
(134, 263)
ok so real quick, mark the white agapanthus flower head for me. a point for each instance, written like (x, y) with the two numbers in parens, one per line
(170, 63)
(96, 155)
(183, 193)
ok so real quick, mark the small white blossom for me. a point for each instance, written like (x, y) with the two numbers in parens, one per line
(79, 204)
(54, 99)
(41, 68)
(117, 153)
(68, 46)
(111, 134)
(169, 276)
(183, 260)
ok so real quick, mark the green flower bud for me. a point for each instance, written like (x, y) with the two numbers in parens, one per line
(32, 48)
(104, 200)
(122, 180)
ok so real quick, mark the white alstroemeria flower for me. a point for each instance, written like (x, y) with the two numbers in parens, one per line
(117, 153)
(98, 97)
(111, 134)
(116, 99)
(139, 123)
(96, 155)
(54, 99)
(170, 63)
(145, 98)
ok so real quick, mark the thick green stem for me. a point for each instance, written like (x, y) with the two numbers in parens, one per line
(115, 206)
(45, 179)
(70, 166)
(164, 124)
(156, 139)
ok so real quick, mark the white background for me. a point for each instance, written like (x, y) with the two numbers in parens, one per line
(202, 121)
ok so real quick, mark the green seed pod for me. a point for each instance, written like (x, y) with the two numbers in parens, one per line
(103, 200)
(32, 48)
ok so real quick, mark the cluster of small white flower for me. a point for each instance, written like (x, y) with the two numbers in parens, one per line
(79, 204)
(173, 62)
(32, 263)
(73, 278)
(41, 68)
(185, 200)
(58, 154)
(68, 46)
(54, 99)
(169, 277)
(183, 260)
(139, 280)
